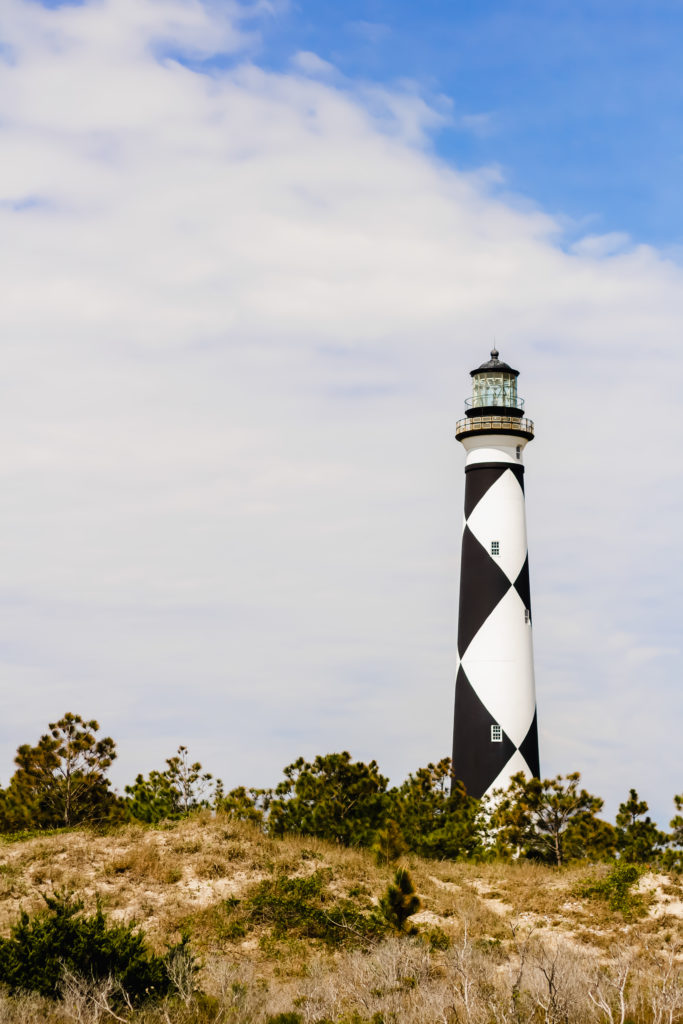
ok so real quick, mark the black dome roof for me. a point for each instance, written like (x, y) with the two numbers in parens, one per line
(494, 363)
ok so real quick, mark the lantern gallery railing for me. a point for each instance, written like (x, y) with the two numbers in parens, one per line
(491, 398)
(495, 425)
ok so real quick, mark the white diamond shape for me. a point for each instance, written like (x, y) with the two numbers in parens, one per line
(514, 765)
(500, 516)
(499, 664)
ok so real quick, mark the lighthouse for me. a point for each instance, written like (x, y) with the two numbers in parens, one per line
(495, 731)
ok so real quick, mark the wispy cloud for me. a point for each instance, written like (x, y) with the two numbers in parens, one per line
(483, 125)
(312, 64)
(371, 31)
(598, 246)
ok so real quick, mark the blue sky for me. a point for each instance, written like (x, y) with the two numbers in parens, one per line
(579, 103)
(249, 258)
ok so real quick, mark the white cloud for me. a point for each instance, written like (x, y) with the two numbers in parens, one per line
(239, 312)
(602, 245)
(311, 64)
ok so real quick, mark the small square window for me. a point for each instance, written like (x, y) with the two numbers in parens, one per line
(495, 547)
(527, 615)
(496, 734)
(518, 451)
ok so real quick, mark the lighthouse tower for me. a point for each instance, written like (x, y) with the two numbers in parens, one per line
(495, 733)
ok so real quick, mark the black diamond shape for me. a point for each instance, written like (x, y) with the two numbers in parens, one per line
(522, 585)
(529, 749)
(477, 761)
(478, 479)
(518, 473)
(482, 585)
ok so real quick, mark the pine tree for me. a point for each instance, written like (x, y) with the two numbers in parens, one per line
(242, 804)
(400, 902)
(332, 798)
(63, 779)
(638, 838)
(188, 780)
(673, 857)
(676, 823)
(174, 793)
(436, 815)
(389, 843)
(537, 816)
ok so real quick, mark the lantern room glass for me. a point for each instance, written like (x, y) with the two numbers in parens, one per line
(494, 389)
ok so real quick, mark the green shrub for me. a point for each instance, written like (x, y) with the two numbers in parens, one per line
(400, 902)
(305, 908)
(616, 889)
(41, 947)
(438, 939)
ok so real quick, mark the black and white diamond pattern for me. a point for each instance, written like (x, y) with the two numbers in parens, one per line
(495, 681)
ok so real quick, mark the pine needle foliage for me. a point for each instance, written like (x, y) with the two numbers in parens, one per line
(333, 798)
(183, 787)
(60, 939)
(62, 780)
(638, 838)
(400, 902)
(436, 816)
(540, 817)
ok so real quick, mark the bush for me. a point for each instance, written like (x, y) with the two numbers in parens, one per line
(616, 889)
(304, 907)
(60, 939)
(438, 939)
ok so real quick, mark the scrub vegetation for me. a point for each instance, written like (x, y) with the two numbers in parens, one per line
(253, 927)
(331, 899)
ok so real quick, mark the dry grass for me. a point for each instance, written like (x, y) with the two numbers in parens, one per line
(400, 981)
(499, 918)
